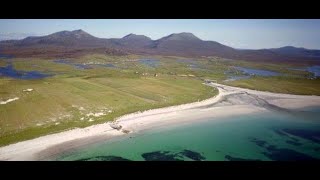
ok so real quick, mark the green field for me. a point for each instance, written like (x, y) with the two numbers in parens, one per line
(290, 81)
(75, 97)
(280, 85)
(63, 101)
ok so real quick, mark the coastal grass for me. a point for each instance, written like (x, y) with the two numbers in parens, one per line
(280, 84)
(66, 99)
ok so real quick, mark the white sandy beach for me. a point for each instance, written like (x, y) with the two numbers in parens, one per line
(230, 101)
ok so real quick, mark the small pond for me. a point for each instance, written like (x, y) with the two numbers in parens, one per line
(9, 71)
(247, 73)
(150, 62)
(257, 72)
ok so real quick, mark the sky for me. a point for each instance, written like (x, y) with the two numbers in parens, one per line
(237, 33)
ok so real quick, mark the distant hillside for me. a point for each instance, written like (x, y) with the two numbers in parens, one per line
(297, 52)
(63, 38)
(189, 45)
(68, 43)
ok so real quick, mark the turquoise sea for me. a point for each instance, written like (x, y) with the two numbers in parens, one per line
(272, 136)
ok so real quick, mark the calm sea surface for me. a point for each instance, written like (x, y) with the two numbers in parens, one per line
(277, 136)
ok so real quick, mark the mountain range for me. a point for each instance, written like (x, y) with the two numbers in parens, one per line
(71, 43)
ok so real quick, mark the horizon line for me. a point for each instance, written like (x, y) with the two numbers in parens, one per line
(41, 35)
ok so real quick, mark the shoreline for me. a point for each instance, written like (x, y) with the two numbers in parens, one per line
(230, 101)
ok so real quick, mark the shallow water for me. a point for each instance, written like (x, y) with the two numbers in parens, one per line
(192, 64)
(150, 62)
(248, 73)
(9, 71)
(265, 136)
(4, 56)
(315, 70)
(257, 72)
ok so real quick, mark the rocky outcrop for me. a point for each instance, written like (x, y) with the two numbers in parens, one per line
(115, 126)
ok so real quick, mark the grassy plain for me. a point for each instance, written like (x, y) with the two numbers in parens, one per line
(74, 97)
(78, 97)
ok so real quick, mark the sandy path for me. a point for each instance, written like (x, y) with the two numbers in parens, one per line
(230, 101)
